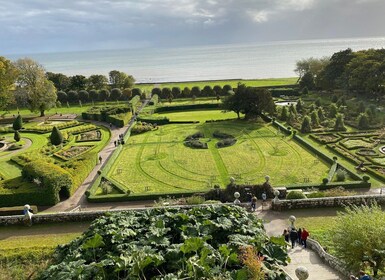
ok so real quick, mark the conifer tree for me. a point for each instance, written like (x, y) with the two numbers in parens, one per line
(284, 114)
(363, 121)
(18, 123)
(339, 125)
(17, 136)
(56, 137)
(314, 119)
(306, 127)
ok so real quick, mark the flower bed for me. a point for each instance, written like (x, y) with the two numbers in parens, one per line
(93, 135)
(366, 152)
(72, 152)
(355, 143)
(326, 138)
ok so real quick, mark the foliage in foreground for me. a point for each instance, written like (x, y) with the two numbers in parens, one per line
(359, 237)
(197, 243)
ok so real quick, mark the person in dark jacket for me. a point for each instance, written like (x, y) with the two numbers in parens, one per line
(286, 234)
(299, 236)
(293, 237)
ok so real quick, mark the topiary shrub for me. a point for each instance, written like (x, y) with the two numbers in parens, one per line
(365, 178)
(16, 136)
(295, 195)
(18, 123)
(56, 137)
(195, 143)
(226, 142)
(325, 181)
(50, 178)
(341, 175)
(306, 127)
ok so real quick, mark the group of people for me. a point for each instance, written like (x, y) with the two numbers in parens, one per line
(120, 141)
(296, 236)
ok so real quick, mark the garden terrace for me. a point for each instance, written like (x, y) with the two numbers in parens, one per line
(157, 162)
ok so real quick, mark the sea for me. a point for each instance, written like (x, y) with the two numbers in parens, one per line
(197, 63)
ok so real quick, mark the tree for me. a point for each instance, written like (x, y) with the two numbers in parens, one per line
(84, 96)
(311, 65)
(94, 94)
(284, 113)
(136, 91)
(320, 113)
(97, 82)
(249, 101)
(195, 90)
(217, 89)
(17, 123)
(32, 81)
(62, 96)
(333, 110)
(8, 76)
(361, 107)
(186, 92)
(120, 80)
(299, 106)
(358, 240)
(104, 94)
(17, 136)
(61, 81)
(166, 91)
(314, 119)
(307, 81)
(339, 124)
(227, 89)
(73, 96)
(56, 137)
(126, 94)
(176, 91)
(333, 75)
(306, 127)
(78, 82)
(293, 110)
(116, 94)
(363, 121)
(207, 91)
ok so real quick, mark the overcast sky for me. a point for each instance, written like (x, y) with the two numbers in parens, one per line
(28, 26)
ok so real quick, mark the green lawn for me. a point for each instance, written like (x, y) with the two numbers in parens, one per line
(25, 251)
(233, 83)
(158, 161)
(199, 115)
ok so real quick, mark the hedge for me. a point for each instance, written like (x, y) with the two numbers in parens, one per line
(332, 171)
(162, 121)
(186, 107)
(314, 150)
(277, 92)
(116, 115)
(330, 185)
(282, 127)
(52, 177)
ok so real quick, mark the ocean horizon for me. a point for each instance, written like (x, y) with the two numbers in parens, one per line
(196, 63)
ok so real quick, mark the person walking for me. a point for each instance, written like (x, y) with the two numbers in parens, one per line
(285, 234)
(304, 236)
(253, 203)
(293, 237)
(300, 236)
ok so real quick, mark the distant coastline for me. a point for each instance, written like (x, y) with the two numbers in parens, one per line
(200, 63)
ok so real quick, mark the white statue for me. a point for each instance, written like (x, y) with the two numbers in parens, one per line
(28, 213)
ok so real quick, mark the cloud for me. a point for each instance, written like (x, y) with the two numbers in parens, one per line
(47, 25)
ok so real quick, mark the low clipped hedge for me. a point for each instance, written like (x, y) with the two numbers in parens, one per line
(186, 107)
(277, 92)
(48, 128)
(314, 150)
(295, 195)
(52, 177)
(118, 115)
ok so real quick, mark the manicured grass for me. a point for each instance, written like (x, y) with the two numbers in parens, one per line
(25, 251)
(158, 161)
(233, 83)
(200, 115)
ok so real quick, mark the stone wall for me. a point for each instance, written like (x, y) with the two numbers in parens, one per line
(330, 260)
(281, 205)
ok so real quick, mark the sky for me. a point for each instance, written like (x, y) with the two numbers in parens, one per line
(38, 26)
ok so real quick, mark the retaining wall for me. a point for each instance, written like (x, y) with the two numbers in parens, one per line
(342, 201)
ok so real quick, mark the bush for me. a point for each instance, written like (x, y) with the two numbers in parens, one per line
(56, 137)
(325, 181)
(295, 195)
(195, 199)
(52, 179)
(195, 143)
(226, 142)
(341, 175)
(18, 123)
(306, 127)
(17, 136)
(365, 178)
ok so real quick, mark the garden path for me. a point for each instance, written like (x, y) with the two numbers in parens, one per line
(27, 144)
(275, 222)
(78, 199)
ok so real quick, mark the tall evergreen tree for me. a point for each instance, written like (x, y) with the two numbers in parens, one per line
(306, 127)
(17, 123)
(56, 137)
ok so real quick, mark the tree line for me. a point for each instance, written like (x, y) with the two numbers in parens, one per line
(361, 71)
(25, 83)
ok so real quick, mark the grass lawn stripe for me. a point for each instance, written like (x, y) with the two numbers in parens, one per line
(221, 167)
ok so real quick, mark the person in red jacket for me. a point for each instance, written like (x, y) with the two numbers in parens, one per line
(304, 236)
